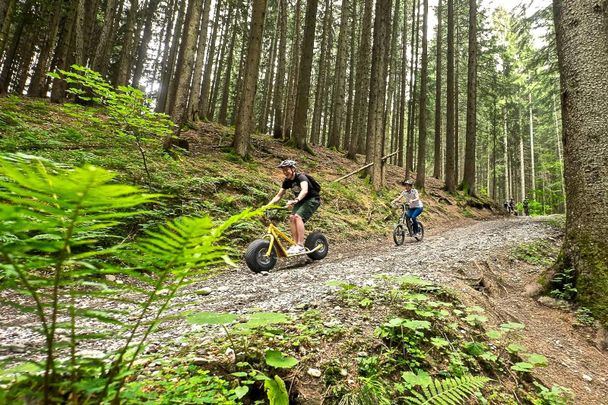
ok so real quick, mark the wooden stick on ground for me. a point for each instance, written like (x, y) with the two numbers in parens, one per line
(364, 167)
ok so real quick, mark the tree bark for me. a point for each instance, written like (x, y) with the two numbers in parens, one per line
(337, 121)
(38, 82)
(301, 107)
(6, 18)
(471, 136)
(361, 83)
(124, 64)
(10, 60)
(169, 51)
(320, 94)
(185, 62)
(223, 112)
(101, 58)
(277, 132)
(203, 103)
(437, 163)
(409, 156)
(375, 117)
(421, 166)
(79, 47)
(62, 51)
(532, 161)
(351, 77)
(197, 75)
(582, 44)
(269, 79)
(450, 179)
(142, 51)
(244, 118)
(288, 114)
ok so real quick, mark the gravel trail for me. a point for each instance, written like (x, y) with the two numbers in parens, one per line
(292, 283)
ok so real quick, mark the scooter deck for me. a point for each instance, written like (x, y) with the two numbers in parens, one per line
(305, 252)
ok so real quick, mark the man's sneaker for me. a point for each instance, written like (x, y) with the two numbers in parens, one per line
(295, 249)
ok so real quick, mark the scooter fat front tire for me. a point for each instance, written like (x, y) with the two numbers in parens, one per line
(255, 256)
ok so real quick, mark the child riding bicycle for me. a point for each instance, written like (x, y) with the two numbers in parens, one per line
(414, 203)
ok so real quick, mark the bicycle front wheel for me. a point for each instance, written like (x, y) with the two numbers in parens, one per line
(399, 235)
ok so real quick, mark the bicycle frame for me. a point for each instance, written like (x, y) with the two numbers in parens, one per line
(407, 221)
(276, 235)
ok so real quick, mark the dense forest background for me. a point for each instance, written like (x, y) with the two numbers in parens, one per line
(472, 100)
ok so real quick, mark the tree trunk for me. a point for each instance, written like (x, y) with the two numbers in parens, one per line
(292, 81)
(361, 83)
(375, 117)
(185, 62)
(126, 53)
(62, 51)
(90, 36)
(582, 44)
(203, 103)
(79, 49)
(351, 76)
(217, 76)
(6, 19)
(403, 90)
(10, 60)
(195, 94)
(269, 79)
(457, 106)
(409, 157)
(301, 107)
(471, 136)
(506, 154)
(450, 178)
(522, 164)
(223, 113)
(437, 155)
(142, 51)
(532, 162)
(244, 118)
(558, 144)
(277, 132)
(169, 52)
(101, 59)
(324, 60)
(337, 121)
(38, 82)
(421, 166)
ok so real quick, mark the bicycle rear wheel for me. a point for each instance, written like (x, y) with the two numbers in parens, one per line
(399, 235)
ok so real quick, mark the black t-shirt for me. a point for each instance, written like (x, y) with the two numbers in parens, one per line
(294, 185)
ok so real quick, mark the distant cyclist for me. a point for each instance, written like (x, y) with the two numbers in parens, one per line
(413, 201)
(306, 202)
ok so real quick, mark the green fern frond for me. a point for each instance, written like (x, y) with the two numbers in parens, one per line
(371, 392)
(451, 391)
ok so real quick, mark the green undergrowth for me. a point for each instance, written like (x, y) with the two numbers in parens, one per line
(394, 341)
(208, 180)
(541, 252)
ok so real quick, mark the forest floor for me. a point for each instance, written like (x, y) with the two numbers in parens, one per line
(492, 264)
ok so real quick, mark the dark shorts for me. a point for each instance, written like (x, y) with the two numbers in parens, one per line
(306, 208)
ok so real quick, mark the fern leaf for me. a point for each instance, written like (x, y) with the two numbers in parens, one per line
(449, 391)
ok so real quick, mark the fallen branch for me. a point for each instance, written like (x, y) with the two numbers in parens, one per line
(363, 167)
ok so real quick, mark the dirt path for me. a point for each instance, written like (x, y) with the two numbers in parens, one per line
(450, 257)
